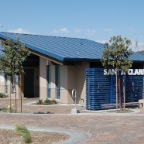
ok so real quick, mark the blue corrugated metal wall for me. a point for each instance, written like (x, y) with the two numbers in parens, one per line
(100, 89)
(134, 88)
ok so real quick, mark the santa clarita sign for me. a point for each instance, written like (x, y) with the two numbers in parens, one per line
(130, 72)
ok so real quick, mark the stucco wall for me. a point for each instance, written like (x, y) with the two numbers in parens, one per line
(2, 83)
(81, 82)
(71, 77)
(76, 80)
(43, 78)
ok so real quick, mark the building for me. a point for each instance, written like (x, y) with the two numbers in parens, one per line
(57, 65)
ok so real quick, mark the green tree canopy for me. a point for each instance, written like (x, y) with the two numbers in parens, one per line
(13, 57)
(116, 54)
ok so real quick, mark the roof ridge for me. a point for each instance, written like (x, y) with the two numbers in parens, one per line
(51, 36)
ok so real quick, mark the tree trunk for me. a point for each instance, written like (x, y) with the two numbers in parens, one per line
(15, 93)
(116, 90)
(119, 93)
(10, 93)
(20, 88)
(124, 91)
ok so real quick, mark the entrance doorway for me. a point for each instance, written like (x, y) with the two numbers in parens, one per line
(29, 83)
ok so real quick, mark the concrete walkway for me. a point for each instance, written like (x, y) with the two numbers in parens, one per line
(100, 129)
(93, 128)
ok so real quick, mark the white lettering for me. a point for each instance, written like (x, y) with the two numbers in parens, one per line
(105, 72)
(123, 73)
(130, 72)
(141, 71)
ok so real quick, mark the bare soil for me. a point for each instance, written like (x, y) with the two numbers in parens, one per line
(10, 137)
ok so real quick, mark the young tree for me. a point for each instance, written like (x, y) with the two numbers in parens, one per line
(116, 56)
(11, 62)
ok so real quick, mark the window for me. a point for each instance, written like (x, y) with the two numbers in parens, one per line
(57, 81)
(49, 81)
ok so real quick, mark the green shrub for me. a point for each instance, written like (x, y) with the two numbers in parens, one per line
(2, 95)
(24, 133)
(40, 102)
(8, 110)
(11, 110)
(49, 102)
(53, 102)
(46, 102)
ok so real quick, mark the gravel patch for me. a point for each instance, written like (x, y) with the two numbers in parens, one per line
(10, 137)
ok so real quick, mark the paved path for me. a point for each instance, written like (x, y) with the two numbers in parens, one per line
(101, 128)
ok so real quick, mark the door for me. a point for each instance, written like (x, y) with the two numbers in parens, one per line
(29, 83)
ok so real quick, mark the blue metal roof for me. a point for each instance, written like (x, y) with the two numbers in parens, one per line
(62, 48)
(59, 48)
(137, 56)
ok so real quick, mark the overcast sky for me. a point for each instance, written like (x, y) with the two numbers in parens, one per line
(97, 20)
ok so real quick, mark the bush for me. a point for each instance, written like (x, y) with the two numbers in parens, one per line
(40, 102)
(8, 109)
(49, 102)
(46, 102)
(53, 102)
(11, 110)
(24, 133)
(2, 95)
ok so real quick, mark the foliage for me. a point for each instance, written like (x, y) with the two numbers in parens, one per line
(24, 132)
(8, 109)
(46, 102)
(40, 102)
(116, 54)
(11, 61)
(11, 109)
(2, 95)
(13, 57)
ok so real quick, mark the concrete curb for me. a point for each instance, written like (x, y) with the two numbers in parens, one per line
(75, 137)
(78, 114)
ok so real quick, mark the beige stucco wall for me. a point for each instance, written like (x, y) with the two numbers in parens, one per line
(67, 83)
(81, 82)
(71, 77)
(43, 78)
(76, 80)
(2, 83)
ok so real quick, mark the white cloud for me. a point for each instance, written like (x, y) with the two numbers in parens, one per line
(77, 30)
(102, 41)
(61, 30)
(137, 46)
(19, 30)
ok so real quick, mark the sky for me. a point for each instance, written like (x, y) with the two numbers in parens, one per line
(97, 20)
